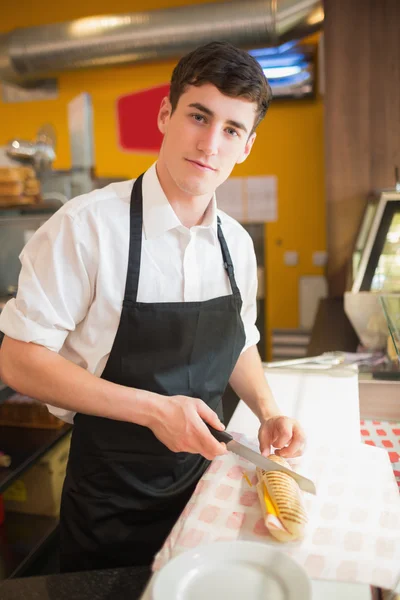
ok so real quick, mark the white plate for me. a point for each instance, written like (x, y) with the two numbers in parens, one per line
(233, 570)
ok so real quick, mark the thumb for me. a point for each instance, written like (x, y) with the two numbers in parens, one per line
(266, 450)
(265, 440)
(209, 416)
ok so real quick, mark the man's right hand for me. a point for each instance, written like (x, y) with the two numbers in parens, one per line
(178, 422)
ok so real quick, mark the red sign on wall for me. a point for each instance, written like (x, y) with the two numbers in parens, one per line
(137, 120)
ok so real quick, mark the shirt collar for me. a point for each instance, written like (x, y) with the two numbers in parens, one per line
(159, 216)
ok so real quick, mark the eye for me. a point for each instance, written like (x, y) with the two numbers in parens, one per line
(198, 118)
(232, 132)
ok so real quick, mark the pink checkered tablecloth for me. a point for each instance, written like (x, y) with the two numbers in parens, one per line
(353, 531)
(384, 434)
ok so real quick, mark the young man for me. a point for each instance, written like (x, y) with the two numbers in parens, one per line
(136, 305)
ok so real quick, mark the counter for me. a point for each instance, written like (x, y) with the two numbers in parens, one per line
(129, 583)
(319, 400)
(135, 583)
(110, 584)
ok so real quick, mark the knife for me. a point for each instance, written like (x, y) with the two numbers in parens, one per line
(260, 461)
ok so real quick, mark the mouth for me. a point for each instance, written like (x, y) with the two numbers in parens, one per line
(201, 166)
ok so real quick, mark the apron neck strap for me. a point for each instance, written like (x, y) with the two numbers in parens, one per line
(227, 259)
(135, 241)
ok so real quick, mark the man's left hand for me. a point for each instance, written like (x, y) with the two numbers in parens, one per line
(282, 433)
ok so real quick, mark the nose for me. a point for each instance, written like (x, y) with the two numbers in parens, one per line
(209, 141)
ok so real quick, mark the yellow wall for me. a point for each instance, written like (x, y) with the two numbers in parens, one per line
(289, 145)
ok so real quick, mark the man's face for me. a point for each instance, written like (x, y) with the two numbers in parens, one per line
(204, 138)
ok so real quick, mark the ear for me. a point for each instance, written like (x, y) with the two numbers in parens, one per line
(247, 148)
(164, 114)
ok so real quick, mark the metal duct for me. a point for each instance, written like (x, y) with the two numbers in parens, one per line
(34, 52)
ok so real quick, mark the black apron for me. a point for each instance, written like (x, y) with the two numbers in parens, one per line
(124, 489)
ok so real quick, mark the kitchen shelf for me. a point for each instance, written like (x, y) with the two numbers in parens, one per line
(23, 538)
(30, 209)
(25, 446)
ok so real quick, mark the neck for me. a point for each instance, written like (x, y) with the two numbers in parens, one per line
(190, 210)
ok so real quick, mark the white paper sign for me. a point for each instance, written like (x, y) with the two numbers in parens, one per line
(262, 199)
(249, 199)
(230, 198)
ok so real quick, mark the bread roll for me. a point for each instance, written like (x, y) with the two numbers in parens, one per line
(10, 174)
(282, 503)
(13, 188)
(31, 187)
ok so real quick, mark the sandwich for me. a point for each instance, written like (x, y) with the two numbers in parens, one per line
(281, 503)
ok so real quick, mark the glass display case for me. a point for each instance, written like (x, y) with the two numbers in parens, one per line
(362, 236)
(376, 258)
(386, 276)
(375, 270)
(391, 308)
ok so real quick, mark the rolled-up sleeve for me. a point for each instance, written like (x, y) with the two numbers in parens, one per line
(54, 288)
(249, 306)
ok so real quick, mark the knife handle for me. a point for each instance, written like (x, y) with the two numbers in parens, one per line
(221, 436)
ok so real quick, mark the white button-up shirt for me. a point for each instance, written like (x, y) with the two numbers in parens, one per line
(72, 281)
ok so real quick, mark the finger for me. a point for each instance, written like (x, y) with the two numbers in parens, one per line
(296, 445)
(286, 453)
(283, 433)
(298, 453)
(265, 448)
(265, 440)
(209, 415)
(210, 455)
(208, 446)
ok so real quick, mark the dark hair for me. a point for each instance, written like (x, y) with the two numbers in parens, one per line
(234, 72)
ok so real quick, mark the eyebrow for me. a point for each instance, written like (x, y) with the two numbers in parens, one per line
(210, 113)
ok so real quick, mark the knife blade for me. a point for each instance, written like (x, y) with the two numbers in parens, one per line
(261, 461)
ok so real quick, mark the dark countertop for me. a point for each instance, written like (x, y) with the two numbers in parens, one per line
(110, 584)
